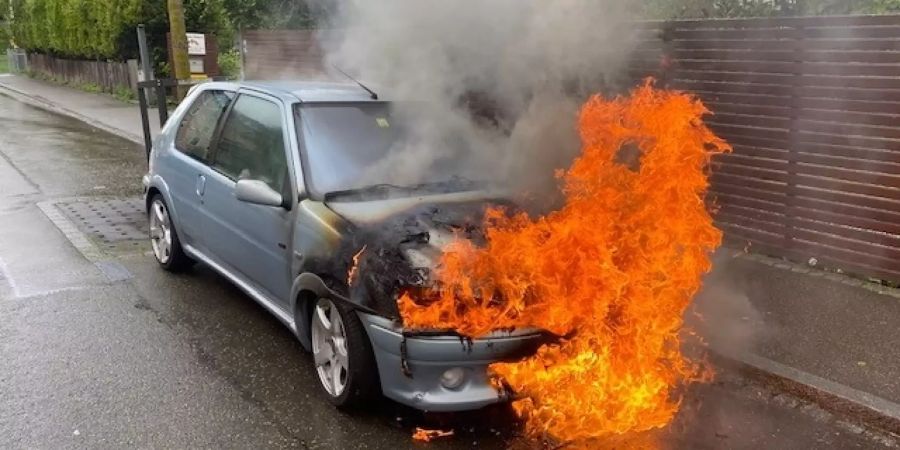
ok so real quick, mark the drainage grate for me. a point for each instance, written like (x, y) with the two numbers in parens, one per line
(115, 225)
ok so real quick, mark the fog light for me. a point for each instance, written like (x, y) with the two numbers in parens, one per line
(453, 378)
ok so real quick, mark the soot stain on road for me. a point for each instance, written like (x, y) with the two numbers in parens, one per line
(61, 156)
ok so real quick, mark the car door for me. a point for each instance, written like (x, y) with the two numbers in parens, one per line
(249, 239)
(187, 161)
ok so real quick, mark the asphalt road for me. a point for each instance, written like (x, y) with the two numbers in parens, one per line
(134, 357)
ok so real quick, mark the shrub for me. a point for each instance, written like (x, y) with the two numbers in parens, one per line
(124, 94)
(230, 64)
(81, 28)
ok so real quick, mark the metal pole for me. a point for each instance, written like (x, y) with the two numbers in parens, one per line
(146, 64)
(145, 121)
(161, 105)
(242, 50)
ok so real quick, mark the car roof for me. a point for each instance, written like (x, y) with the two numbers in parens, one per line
(305, 91)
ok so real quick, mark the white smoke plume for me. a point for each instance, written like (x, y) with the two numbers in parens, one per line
(528, 63)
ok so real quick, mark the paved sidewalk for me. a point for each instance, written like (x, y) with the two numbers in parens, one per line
(99, 110)
(837, 334)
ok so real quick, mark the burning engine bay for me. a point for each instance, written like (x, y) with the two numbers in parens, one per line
(610, 273)
(384, 259)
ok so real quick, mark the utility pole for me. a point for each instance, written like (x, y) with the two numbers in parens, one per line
(178, 34)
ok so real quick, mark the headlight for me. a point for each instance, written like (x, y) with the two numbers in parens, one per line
(453, 378)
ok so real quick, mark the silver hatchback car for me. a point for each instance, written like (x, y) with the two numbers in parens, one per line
(263, 182)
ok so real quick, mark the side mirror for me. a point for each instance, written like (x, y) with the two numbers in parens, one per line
(257, 192)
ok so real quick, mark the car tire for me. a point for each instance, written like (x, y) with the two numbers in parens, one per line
(341, 349)
(164, 238)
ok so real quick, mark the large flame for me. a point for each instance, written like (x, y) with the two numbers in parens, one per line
(612, 272)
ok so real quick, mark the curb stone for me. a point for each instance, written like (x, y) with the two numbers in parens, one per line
(817, 272)
(113, 270)
(834, 397)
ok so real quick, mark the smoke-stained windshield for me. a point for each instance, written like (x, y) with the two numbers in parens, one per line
(343, 140)
(364, 147)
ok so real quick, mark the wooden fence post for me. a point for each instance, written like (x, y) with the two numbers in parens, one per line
(790, 216)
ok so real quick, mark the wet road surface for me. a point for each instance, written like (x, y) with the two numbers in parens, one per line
(93, 357)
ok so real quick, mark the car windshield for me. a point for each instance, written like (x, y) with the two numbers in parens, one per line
(347, 146)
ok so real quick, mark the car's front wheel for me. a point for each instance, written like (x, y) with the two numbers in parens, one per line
(342, 354)
(164, 238)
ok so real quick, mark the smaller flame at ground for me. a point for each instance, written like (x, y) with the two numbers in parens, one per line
(354, 269)
(425, 435)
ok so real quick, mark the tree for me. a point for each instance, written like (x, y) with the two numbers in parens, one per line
(178, 35)
(202, 16)
(249, 14)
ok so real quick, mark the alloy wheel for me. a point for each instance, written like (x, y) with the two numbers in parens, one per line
(160, 231)
(329, 345)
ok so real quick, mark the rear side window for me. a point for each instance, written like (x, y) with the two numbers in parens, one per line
(252, 143)
(195, 132)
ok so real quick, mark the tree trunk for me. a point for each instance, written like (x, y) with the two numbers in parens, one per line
(178, 32)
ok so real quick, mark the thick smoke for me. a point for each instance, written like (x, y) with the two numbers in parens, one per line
(722, 312)
(497, 84)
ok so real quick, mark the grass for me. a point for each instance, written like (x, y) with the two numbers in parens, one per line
(93, 88)
(122, 94)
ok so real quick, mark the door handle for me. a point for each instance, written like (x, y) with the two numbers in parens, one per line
(201, 185)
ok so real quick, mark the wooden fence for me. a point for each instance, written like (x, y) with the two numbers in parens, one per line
(108, 76)
(269, 54)
(812, 107)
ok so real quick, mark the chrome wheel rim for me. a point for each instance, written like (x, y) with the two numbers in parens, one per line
(329, 342)
(160, 231)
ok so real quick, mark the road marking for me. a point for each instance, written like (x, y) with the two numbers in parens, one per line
(5, 274)
(4, 271)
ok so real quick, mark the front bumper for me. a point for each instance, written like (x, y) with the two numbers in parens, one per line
(427, 357)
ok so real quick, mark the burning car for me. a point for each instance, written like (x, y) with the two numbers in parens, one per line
(267, 184)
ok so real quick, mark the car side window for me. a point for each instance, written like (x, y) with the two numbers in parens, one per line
(251, 145)
(195, 132)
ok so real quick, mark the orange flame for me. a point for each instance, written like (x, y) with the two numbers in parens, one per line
(354, 269)
(612, 271)
(421, 434)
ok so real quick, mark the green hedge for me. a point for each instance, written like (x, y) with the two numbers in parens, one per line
(105, 29)
(76, 28)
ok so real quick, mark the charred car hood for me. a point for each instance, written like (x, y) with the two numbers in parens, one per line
(372, 212)
(396, 242)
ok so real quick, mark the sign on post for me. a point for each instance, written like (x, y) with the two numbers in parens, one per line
(197, 65)
(196, 44)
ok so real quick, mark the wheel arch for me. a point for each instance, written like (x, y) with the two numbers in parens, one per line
(307, 288)
(153, 191)
(158, 186)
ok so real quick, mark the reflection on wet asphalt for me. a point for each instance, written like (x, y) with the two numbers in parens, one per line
(178, 361)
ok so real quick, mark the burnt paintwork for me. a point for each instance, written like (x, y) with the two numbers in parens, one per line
(397, 252)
